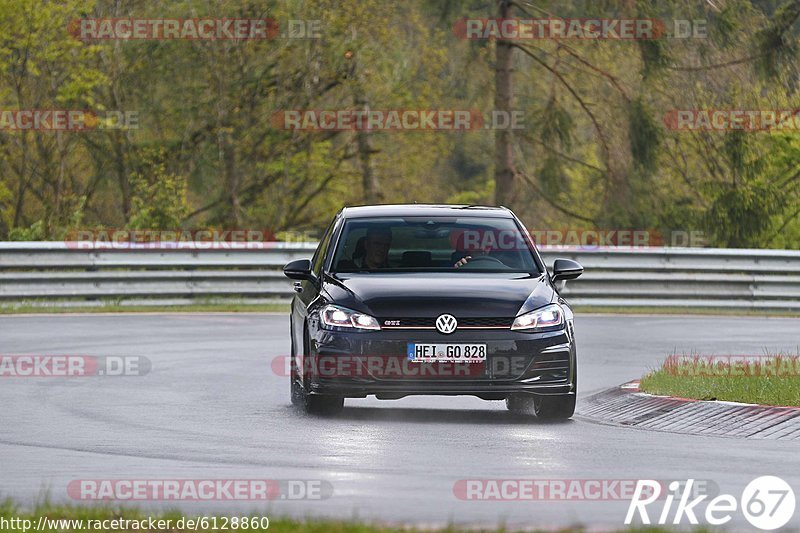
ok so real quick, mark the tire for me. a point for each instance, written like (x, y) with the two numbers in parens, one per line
(323, 405)
(295, 389)
(314, 404)
(559, 407)
(521, 404)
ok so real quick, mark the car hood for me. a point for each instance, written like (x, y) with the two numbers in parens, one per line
(429, 295)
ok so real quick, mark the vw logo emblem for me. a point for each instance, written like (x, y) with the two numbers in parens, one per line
(446, 324)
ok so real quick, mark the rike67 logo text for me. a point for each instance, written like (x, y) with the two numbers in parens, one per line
(767, 502)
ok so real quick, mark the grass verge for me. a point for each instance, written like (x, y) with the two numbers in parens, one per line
(705, 311)
(766, 380)
(9, 512)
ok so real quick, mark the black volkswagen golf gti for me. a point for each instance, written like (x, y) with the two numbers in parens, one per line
(404, 300)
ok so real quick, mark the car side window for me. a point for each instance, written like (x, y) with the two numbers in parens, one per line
(322, 249)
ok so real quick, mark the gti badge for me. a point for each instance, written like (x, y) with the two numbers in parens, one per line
(446, 324)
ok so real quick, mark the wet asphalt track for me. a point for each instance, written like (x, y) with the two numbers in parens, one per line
(212, 408)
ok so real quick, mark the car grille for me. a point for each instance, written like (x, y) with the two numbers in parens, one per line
(430, 323)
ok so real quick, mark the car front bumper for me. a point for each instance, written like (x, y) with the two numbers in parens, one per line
(358, 364)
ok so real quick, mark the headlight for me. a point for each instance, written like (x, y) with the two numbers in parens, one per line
(547, 317)
(335, 317)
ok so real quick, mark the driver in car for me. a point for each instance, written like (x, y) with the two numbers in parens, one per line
(467, 258)
(376, 248)
(466, 252)
(379, 240)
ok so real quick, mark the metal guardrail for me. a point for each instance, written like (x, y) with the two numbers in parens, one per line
(58, 273)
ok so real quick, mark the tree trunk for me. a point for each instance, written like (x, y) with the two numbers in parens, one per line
(369, 181)
(121, 169)
(227, 159)
(503, 139)
(22, 184)
(372, 194)
(227, 150)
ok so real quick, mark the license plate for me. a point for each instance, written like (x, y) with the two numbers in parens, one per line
(450, 353)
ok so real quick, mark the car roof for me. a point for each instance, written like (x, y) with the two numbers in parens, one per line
(425, 210)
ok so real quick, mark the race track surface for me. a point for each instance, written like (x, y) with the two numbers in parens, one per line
(211, 407)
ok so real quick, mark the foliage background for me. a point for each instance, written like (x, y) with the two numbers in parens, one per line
(595, 152)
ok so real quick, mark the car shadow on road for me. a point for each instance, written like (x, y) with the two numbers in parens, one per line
(441, 416)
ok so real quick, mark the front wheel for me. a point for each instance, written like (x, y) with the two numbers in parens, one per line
(323, 405)
(521, 404)
(295, 389)
(314, 404)
(317, 405)
(555, 407)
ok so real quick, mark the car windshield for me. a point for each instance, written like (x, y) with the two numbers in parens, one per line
(430, 244)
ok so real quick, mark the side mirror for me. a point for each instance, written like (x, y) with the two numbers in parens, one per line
(300, 269)
(564, 269)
